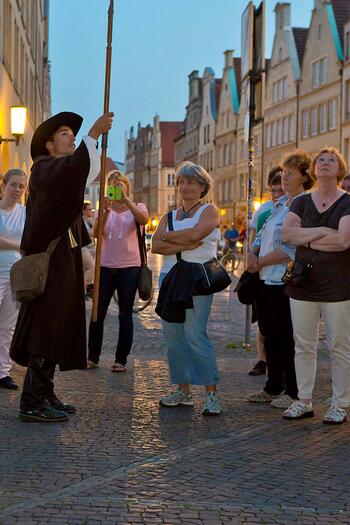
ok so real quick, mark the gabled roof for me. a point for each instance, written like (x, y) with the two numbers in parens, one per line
(341, 10)
(300, 37)
(169, 131)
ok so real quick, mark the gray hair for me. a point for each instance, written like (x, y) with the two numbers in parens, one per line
(11, 173)
(197, 172)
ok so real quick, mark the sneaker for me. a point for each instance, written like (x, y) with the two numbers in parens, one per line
(177, 398)
(283, 401)
(212, 406)
(261, 397)
(298, 410)
(259, 369)
(45, 414)
(334, 416)
(8, 382)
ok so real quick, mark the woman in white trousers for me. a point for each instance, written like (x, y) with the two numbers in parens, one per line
(12, 218)
(318, 224)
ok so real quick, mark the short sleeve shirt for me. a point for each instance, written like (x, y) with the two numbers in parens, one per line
(11, 227)
(329, 278)
(261, 215)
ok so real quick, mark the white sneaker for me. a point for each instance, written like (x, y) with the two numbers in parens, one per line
(298, 410)
(212, 406)
(177, 398)
(283, 401)
(260, 397)
(334, 416)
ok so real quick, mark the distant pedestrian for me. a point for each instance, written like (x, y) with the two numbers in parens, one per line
(345, 184)
(120, 269)
(318, 224)
(51, 329)
(191, 356)
(12, 218)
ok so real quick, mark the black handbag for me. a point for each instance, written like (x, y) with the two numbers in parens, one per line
(246, 287)
(296, 273)
(145, 282)
(213, 276)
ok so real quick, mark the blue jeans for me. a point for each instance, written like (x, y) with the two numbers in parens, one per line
(191, 356)
(124, 281)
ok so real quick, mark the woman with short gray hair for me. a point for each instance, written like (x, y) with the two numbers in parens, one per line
(12, 218)
(194, 234)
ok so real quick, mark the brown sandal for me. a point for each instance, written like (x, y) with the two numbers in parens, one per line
(91, 364)
(118, 367)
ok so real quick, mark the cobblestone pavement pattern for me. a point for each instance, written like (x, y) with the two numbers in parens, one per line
(124, 460)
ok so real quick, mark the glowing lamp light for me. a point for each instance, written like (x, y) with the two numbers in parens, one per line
(239, 244)
(223, 212)
(154, 223)
(18, 120)
(256, 205)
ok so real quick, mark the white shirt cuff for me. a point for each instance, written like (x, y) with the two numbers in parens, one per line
(95, 161)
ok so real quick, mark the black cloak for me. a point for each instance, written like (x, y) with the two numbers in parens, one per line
(53, 326)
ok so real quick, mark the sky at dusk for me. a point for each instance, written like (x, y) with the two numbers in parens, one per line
(156, 44)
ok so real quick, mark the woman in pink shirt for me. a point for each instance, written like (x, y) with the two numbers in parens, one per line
(120, 268)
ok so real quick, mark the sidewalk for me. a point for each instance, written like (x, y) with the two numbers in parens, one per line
(124, 460)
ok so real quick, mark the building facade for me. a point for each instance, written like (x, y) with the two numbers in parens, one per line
(24, 74)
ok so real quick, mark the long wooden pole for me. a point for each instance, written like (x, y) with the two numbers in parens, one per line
(100, 224)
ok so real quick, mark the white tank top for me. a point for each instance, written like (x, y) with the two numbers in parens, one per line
(204, 253)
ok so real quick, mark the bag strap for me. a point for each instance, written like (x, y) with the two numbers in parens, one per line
(142, 244)
(51, 247)
(171, 229)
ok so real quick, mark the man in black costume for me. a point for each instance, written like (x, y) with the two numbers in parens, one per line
(51, 330)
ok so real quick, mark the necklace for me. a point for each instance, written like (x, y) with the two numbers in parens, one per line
(327, 201)
(186, 213)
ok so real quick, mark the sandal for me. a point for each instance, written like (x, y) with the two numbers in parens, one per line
(91, 364)
(118, 367)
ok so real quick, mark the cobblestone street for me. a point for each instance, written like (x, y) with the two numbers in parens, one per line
(124, 460)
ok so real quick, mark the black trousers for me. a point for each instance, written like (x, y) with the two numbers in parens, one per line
(38, 384)
(275, 324)
(124, 281)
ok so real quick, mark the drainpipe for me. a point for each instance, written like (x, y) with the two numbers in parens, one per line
(262, 178)
(297, 88)
(341, 102)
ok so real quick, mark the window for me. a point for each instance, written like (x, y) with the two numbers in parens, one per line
(332, 116)
(226, 190)
(242, 149)
(305, 124)
(220, 192)
(268, 135)
(242, 187)
(275, 92)
(274, 134)
(7, 35)
(227, 119)
(205, 135)
(319, 31)
(171, 179)
(208, 133)
(291, 128)
(285, 130)
(279, 131)
(285, 88)
(323, 70)
(315, 74)
(347, 99)
(225, 162)
(280, 90)
(347, 46)
(171, 200)
(323, 118)
(280, 54)
(314, 121)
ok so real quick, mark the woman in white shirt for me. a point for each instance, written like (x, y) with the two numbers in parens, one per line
(191, 356)
(12, 218)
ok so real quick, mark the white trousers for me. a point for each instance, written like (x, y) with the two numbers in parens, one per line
(306, 318)
(8, 317)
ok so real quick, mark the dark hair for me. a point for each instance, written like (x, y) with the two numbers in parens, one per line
(272, 173)
(276, 180)
(301, 161)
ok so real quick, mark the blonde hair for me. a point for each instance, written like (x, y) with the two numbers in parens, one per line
(341, 161)
(197, 172)
(118, 175)
(12, 173)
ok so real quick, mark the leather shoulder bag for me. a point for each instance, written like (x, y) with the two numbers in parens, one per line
(145, 282)
(214, 278)
(28, 276)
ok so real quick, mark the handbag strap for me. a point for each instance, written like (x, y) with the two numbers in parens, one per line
(171, 229)
(51, 247)
(142, 244)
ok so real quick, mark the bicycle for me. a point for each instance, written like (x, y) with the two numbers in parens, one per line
(231, 260)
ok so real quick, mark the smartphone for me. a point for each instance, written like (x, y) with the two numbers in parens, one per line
(114, 193)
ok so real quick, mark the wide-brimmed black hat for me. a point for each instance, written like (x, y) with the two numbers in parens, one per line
(43, 133)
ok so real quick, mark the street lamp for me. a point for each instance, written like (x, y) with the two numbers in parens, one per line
(18, 124)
